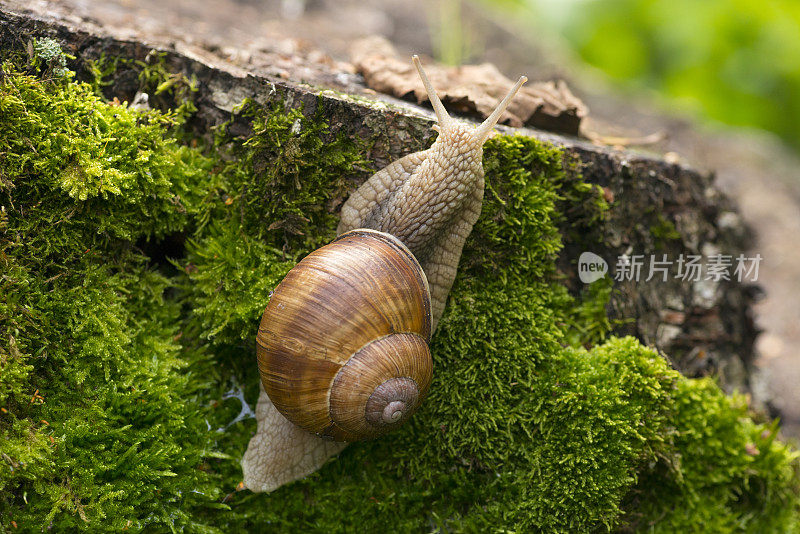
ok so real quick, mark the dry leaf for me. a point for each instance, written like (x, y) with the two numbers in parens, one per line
(470, 89)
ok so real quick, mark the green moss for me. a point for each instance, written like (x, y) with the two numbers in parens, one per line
(112, 373)
(664, 230)
(722, 470)
(167, 90)
(100, 426)
(109, 164)
(588, 320)
(231, 276)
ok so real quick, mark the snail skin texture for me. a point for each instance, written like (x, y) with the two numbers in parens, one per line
(429, 201)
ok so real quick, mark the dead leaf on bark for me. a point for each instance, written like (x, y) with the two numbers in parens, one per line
(470, 89)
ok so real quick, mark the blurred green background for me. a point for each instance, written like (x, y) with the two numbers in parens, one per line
(735, 61)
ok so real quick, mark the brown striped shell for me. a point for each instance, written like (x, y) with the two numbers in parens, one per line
(343, 343)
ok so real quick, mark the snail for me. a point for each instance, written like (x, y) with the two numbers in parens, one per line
(322, 388)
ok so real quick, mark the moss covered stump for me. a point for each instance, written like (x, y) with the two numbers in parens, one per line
(137, 257)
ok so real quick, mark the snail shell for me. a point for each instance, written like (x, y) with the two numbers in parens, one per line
(343, 343)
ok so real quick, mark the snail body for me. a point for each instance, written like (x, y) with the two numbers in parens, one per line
(430, 200)
(342, 345)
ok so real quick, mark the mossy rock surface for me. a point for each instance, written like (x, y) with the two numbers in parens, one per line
(120, 369)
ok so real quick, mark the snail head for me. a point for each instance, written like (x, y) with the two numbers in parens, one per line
(459, 135)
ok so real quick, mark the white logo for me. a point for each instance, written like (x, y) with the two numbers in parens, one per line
(591, 267)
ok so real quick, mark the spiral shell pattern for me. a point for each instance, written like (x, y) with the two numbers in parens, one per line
(343, 343)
